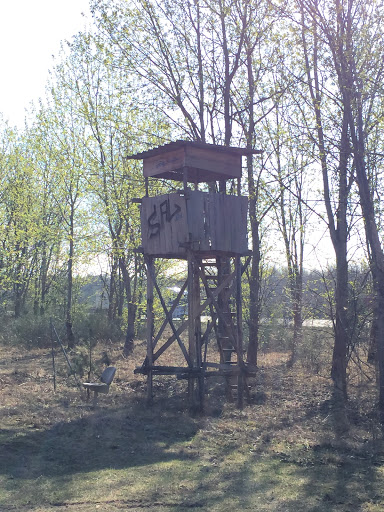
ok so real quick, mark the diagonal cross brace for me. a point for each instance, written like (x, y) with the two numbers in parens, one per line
(185, 324)
(171, 310)
(169, 318)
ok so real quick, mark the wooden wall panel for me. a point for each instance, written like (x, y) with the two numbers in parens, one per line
(202, 164)
(164, 225)
(227, 218)
(199, 231)
(163, 163)
(211, 222)
(224, 164)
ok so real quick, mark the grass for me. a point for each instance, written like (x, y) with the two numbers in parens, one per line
(281, 453)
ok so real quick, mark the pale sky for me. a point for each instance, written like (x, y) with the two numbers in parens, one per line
(30, 33)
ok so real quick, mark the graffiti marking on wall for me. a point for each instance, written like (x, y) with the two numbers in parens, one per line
(156, 220)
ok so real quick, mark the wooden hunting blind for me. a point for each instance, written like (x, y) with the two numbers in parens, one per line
(208, 229)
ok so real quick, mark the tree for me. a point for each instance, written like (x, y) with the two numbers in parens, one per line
(186, 55)
(112, 127)
(291, 170)
(337, 177)
(250, 108)
(18, 235)
(352, 37)
(66, 130)
(42, 155)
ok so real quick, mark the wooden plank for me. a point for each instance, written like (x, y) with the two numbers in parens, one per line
(205, 164)
(240, 378)
(197, 220)
(230, 372)
(218, 370)
(198, 339)
(241, 229)
(191, 326)
(220, 313)
(225, 165)
(211, 222)
(166, 370)
(150, 327)
(165, 162)
(165, 321)
(227, 221)
(172, 309)
(164, 225)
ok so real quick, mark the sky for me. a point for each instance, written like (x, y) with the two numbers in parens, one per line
(30, 34)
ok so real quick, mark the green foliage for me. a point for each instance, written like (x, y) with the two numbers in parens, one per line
(95, 325)
(80, 359)
(29, 330)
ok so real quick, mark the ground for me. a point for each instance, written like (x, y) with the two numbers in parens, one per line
(280, 453)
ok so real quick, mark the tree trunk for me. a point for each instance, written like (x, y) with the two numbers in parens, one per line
(68, 313)
(377, 254)
(254, 279)
(337, 223)
(112, 291)
(297, 295)
(339, 358)
(254, 299)
(132, 308)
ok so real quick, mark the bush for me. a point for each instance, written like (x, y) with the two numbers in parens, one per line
(96, 325)
(80, 360)
(316, 348)
(28, 330)
(275, 335)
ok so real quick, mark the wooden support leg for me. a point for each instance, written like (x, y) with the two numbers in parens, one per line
(150, 327)
(201, 391)
(197, 332)
(239, 348)
(191, 328)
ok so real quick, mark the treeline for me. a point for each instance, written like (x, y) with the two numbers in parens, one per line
(301, 80)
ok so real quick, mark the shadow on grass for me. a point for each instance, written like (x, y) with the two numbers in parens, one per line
(114, 438)
(232, 465)
(336, 479)
(329, 480)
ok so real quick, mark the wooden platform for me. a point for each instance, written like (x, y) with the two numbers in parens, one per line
(186, 373)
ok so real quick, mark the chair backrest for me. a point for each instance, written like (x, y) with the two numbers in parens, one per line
(108, 374)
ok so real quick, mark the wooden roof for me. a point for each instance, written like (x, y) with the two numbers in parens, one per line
(201, 145)
(200, 162)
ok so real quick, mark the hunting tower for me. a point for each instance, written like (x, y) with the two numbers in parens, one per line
(208, 229)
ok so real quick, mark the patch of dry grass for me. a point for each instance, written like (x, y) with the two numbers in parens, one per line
(281, 453)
